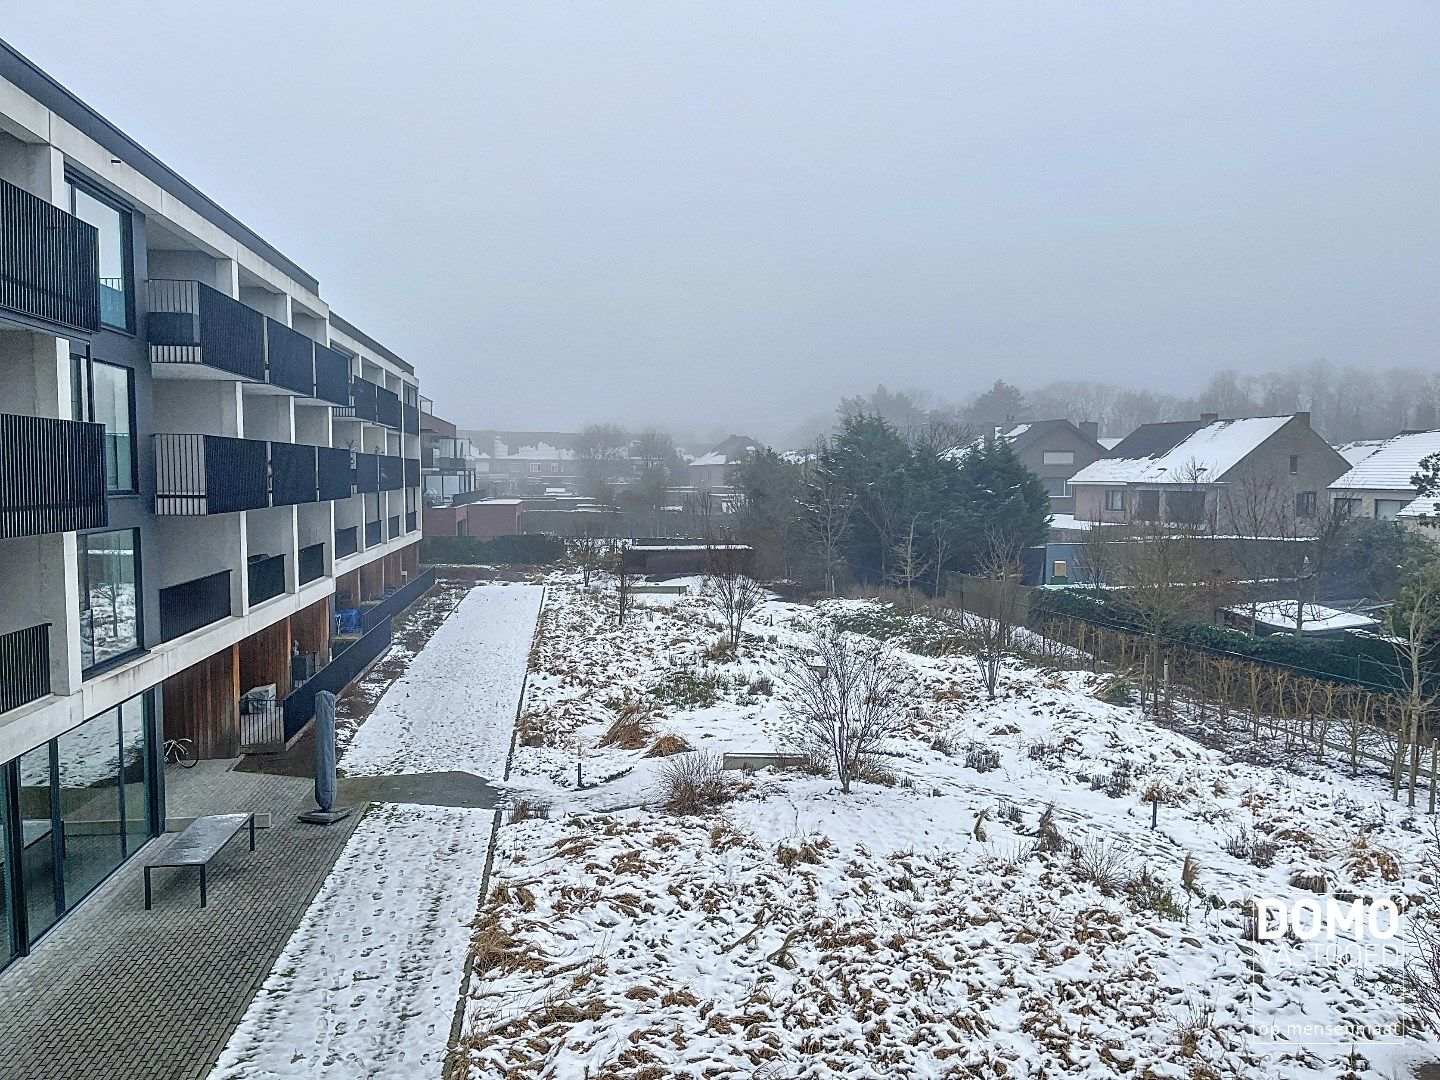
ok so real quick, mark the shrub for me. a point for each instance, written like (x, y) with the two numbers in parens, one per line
(762, 685)
(668, 745)
(632, 728)
(1104, 864)
(525, 810)
(528, 550)
(1047, 833)
(686, 689)
(1147, 894)
(981, 758)
(693, 783)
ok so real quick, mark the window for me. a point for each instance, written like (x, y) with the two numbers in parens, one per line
(1059, 457)
(1147, 505)
(1057, 487)
(1305, 504)
(1387, 509)
(109, 596)
(1185, 507)
(112, 222)
(1294, 464)
(105, 394)
(1346, 508)
(1115, 499)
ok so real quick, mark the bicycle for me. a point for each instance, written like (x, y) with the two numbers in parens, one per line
(180, 751)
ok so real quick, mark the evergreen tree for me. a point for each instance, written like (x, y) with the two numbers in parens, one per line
(998, 497)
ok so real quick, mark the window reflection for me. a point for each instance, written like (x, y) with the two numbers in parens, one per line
(109, 601)
(113, 225)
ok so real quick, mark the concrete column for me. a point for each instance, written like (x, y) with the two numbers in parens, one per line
(58, 570)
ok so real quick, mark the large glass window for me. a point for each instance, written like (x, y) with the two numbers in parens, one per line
(104, 394)
(37, 828)
(92, 833)
(135, 772)
(7, 906)
(109, 596)
(113, 225)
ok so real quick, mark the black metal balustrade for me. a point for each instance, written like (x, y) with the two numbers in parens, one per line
(293, 477)
(332, 375)
(52, 475)
(347, 541)
(411, 522)
(367, 473)
(387, 407)
(412, 419)
(191, 323)
(372, 533)
(193, 604)
(412, 472)
(24, 666)
(290, 358)
(334, 473)
(392, 472)
(311, 565)
(49, 262)
(267, 577)
(210, 474)
(393, 527)
(362, 399)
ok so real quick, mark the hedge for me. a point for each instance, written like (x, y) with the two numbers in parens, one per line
(528, 550)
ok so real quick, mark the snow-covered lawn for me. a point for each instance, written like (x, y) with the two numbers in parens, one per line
(454, 708)
(368, 983)
(926, 925)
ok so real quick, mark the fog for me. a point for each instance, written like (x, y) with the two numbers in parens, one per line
(725, 216)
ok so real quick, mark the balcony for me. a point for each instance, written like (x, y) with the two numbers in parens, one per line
(412, 419)
(387, 407)
(367, 473)
(392, 472)
(412, 472)
(332, 375)
(312, 563)
(411, 522)
(347, 541)
(49, 263)
(334, 473)
(362, 399)
(293, 476)
(52, 475)
(372, 533)
(194, 327)
(193, 604)
(210, 474)
(290, 358)
(266, 574)
(24, 666)
(392, 527)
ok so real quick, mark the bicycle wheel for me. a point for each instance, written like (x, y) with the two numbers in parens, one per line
(185, 753)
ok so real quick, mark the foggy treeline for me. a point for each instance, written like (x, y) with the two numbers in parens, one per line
(1345, 402)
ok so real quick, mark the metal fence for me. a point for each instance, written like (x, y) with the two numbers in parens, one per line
(397, 601)
(24, 666)
(191, 323)
(49, 262)
(193, 604)
(52, 475)
(290, 358)
(344, 668)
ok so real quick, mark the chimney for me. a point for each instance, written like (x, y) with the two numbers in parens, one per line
(1090, 429)
(1209, 417)
(1303, 417)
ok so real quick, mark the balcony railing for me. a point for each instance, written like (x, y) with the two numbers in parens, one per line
(52, 475)
(267, 578)
(412, 419)
(387, 407)
(334, 473)
(293, 477)
(362, 399)
(209, 474)
(193, 604)
(290, 358)
(392, 527)
(24, 666)
(312, 563)
(347, 541)
(392, 472)
(412, 472)
(412, 521)
(191, 323)
(372, 533)
(332, 375)
(49, 263)
(367, 473)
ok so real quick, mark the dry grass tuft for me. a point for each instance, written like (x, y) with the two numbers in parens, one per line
(633, 728)
(693, 783)
(668, 745)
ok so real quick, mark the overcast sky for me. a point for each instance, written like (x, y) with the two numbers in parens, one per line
(726, 215)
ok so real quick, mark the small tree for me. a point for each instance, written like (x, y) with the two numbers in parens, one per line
(908, 559)
(729, 590)
(1415, 634)
(844, 698)
(987, 635)
(624, 572)
(826, 508)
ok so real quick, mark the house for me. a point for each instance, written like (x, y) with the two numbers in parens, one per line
(525, 462)
(1054, 450)
(1379, 485)
(713, 469)
(449, 472)
(200, 455)
(1194, 471)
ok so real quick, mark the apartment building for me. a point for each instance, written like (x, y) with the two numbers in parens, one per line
(199, 461)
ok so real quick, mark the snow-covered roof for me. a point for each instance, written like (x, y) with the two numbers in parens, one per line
(1317, 618)
(540, 451)
(1110, 442)
(730, 452)
(1390, 466)
(1426, 507)
(1204, 456)
(1070, 521)
(1357, 451)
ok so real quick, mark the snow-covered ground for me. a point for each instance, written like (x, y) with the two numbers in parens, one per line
(454, 708)
(368, 983)
(918, 927)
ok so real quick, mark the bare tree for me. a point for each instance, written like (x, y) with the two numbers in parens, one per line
(828, 506)
(623, 570)
(1415, 634)
(843, 698)
(909, 562)
(729, 589)
(1162, 573)
(1422, 968)
(992, 609)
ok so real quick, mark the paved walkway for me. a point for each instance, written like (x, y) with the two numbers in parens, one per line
(119, 992)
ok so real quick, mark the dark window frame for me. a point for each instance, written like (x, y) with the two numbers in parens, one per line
(1113, 503)
(1306, 503)
(86, 364)
(76, 182)
(118, 659)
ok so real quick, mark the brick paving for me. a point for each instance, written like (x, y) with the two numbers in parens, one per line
(119, 992)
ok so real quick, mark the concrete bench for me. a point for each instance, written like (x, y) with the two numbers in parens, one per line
(200, 842)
